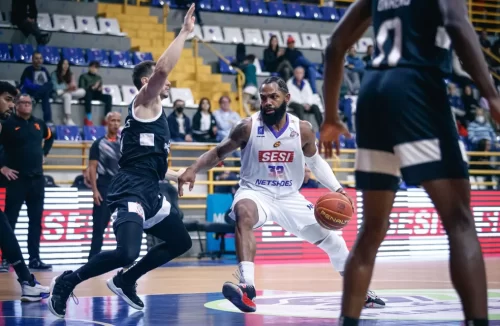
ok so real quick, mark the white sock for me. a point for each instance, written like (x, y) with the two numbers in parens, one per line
(247, 272)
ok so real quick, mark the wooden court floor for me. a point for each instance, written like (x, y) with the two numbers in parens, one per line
(188, 294)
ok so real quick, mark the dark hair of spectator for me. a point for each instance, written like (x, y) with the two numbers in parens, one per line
(223, 97)
(270, 44)
(209, 105)
(6, 87)
(250, 58)
(177, 101)
(279, 81)
(143, 69)
(95, 64)
(60, 77)
(35, 53)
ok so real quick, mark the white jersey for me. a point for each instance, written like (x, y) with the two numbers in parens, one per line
(272, 162)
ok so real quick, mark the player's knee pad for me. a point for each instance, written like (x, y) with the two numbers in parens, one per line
(328, 241)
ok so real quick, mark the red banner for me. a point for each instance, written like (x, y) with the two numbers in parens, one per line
(415, 231)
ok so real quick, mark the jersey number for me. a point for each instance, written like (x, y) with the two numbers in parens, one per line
(276, 170)
(382, 36)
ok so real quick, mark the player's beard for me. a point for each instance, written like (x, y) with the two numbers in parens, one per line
(272, 119)
(4, 115)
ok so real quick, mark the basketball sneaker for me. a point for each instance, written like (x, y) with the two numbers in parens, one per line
(126, 291)
(33, 291)
(241, 295)
(60, 291)
(373, 301)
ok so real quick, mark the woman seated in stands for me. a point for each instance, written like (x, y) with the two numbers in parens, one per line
(66, 89)
(204, 128)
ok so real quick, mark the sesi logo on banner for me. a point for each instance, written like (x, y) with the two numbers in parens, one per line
(66, 226)
(416, 230)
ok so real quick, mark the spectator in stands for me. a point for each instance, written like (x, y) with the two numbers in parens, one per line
(225, 117)
(204, 124)
(354, 69)
(275, 61)
(302, 97)
(226, 176)
(470, 104)
(36, 82)
(296, 58)
(456, 104)
(483, 39)
(308, 182)
(367, 59)
(478, 162)
(65, 88)
(91, 82)
(24, 16)
(480, 128)
(179, 123)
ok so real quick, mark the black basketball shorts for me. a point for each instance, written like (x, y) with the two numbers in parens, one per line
(405, 129)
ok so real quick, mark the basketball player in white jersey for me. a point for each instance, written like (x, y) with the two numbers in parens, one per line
(275, 147)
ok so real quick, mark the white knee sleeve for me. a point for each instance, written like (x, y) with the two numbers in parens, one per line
(330, 242)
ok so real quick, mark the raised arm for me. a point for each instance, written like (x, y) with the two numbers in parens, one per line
(237, 138)
(166, 63)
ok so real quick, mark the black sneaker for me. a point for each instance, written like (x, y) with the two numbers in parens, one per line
(4, 266)
(373, 301)
(60, 291)
(37, 265)
(126, 291)
(241, 295)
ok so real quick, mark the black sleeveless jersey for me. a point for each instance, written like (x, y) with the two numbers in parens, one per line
(145, 145)
(410, 33)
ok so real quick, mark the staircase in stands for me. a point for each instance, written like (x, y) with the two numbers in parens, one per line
(147, 35)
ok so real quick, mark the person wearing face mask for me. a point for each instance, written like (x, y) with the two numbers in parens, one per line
(179, 123)
(480, 129)
(275, 147)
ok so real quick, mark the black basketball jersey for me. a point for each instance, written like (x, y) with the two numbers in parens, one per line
(410, 33)
(145, 144)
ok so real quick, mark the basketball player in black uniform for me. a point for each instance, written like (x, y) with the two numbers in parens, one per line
(405, 128)
(31, 289)
(134, 193)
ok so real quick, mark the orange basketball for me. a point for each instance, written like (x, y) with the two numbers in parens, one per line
(333, 211)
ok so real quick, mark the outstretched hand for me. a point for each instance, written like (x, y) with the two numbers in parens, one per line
(329, 135)
(189, 20)
(189, 176)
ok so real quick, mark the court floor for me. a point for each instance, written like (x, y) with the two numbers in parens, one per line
(188, 293)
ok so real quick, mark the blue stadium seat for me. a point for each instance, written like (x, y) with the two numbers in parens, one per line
(240, 6)
(5, 52)
(224, 68)
(93, 132)
(312, 12)
(68, 133)
(22, 52)
(139, 57)
(99, 55)
(258, 7)
(121, 59)
(50, 54)
(277, 9)
(206, 5)
(295, 10)
(75, 56)
(330, 14)
(221, 5)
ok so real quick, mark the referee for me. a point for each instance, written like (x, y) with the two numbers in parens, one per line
(103, 165)
(22, 137)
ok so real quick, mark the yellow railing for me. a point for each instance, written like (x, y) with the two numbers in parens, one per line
(240, 76)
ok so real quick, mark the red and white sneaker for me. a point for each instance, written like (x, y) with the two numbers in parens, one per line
(241, 295)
